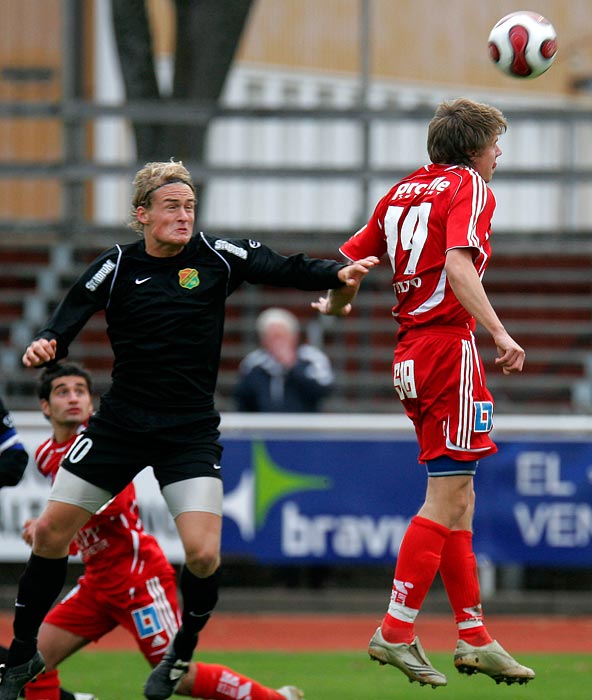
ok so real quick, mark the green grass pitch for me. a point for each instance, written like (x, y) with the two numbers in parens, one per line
(338, 676)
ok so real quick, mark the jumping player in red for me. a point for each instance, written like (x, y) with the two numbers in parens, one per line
(435, 227)
(127, 579)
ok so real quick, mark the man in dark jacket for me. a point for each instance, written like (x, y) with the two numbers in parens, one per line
(282, 375)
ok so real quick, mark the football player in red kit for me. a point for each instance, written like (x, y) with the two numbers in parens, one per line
(435, 227)
(127, 579)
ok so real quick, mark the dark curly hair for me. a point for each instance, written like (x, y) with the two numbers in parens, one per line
(65, 369)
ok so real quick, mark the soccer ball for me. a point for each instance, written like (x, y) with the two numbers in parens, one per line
(523, 44)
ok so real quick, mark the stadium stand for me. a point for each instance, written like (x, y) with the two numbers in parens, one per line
(541, 287)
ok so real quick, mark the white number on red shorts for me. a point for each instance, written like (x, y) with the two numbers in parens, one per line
(404, 379)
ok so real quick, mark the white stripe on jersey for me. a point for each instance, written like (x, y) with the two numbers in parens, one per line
(45, 454)
(42, 450)
(135, 542)
(477, 205)
(165, 612)
(436, 297)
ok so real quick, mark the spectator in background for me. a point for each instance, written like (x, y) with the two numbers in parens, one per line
(13, 456)
(282, 375)
(285, 376)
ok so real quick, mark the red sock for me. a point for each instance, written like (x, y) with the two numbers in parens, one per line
(216, 682)
(417, 565)
(458, 569)
(45, 687)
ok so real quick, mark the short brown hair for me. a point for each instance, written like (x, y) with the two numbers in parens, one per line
(69, 369)
(150, 178)
(462, 129)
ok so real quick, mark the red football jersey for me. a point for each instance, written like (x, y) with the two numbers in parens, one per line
(113, 544)
(434, 209)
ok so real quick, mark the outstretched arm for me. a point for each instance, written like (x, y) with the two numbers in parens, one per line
(338, 301)
(468, 289)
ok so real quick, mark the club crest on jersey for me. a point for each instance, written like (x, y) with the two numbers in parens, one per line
(189, 278)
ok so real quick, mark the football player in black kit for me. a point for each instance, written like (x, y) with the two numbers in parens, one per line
(164, 301)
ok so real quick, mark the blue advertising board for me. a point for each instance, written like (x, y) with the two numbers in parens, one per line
(349, 501)
(342, 488)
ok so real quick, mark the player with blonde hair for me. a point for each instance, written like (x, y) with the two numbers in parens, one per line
(164, 300)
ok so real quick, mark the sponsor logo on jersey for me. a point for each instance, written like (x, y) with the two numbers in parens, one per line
(483, 416)
(147, 621)
(410, 189)
(405, 285)
(99, 277)
(189, 278)
(231, 248)
(254, 244)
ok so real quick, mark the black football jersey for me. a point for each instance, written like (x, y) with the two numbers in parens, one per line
(165, 316)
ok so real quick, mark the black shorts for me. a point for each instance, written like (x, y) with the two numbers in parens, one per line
(110, 456)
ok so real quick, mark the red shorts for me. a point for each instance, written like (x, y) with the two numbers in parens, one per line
(149, 611)
(439, 377)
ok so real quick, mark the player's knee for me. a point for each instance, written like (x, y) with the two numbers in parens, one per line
(203, 561)
(459, 508)
(49, 540)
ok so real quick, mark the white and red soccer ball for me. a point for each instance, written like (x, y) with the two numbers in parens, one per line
(523, 44)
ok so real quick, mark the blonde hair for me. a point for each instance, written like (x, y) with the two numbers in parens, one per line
(461, 130)
(150, 178)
